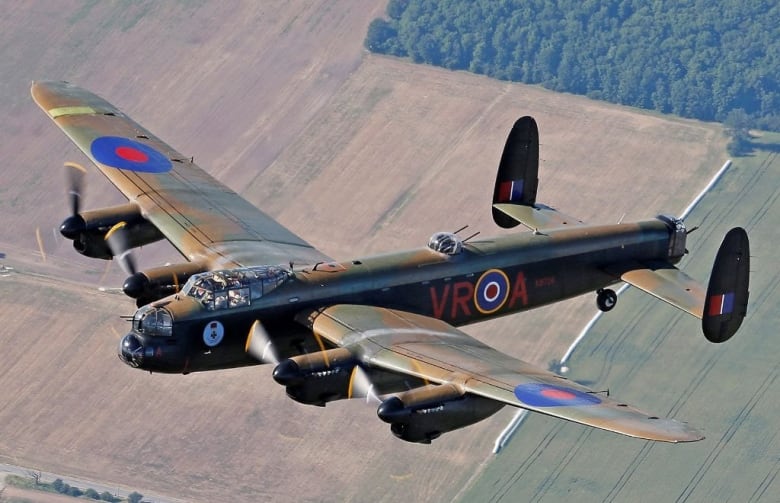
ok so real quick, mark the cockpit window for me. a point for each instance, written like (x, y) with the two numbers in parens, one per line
(231, 288)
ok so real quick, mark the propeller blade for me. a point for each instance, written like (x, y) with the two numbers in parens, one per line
(118, 243)
(75, 180)
(259, 345)
(40, 243)
(360, 386)
(323, 349)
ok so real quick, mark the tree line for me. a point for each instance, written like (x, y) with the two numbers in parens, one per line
(702, 59)
(35, 481)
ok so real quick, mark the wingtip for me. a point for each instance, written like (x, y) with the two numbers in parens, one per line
(37, 84)
(692, 435)
(680, 432)
(657, 429)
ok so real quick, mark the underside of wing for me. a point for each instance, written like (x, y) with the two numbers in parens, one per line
(669, 284)
(205, 220)
(436, 352)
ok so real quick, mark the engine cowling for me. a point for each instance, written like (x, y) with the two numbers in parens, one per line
(92, 244)
(88, 229)
(425, 413)
(154, 284)
(317, 378)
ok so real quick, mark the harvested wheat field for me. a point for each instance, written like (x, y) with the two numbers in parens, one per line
(357, 154)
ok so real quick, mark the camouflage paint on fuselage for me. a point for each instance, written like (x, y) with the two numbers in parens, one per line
(390, 318)
(487, 279)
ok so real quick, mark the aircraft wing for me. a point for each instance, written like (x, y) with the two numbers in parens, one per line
(202, 218)
(436, 352)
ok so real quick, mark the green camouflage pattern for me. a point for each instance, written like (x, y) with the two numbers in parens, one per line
(205, 220)
(392, 314)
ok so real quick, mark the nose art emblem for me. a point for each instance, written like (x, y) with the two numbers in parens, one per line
(213, 333)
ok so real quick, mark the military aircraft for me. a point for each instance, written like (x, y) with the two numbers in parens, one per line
(253, 292)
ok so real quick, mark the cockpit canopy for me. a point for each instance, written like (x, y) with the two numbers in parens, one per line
(231, 288)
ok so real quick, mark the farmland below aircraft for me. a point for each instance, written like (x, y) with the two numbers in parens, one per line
(385, 326)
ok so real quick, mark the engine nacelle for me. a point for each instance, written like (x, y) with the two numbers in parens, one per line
(156, 283)
(423, 414)
(93, 245)
(317, 378)
(88, 229)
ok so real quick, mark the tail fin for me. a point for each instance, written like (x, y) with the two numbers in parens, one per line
(726, 302)
(517, 178)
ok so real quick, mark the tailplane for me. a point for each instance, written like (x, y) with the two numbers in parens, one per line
(726, 302)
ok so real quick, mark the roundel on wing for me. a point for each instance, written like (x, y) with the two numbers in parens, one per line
(549, 395)
(124, 153)
(491, 291)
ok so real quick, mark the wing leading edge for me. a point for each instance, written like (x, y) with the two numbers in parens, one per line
(436, 352)
(205, 220)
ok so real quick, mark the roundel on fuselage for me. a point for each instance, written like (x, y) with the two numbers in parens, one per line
(491, 291)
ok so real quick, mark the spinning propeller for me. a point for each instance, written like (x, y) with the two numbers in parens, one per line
(260, 346)
(74, 224)
(117, 238)
(360, 386)
(119, 243)
(75, 176)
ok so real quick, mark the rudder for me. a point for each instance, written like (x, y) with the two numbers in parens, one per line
(725, 305)
(518, 172)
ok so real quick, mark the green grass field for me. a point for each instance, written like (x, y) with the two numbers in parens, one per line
(654, 357)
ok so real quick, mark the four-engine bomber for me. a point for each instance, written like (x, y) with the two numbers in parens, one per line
(249, 291)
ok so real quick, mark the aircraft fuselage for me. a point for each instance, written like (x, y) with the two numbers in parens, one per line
(486, 279)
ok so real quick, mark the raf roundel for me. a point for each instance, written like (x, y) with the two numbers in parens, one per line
(491, 291)
(124, 153)
(549, 395)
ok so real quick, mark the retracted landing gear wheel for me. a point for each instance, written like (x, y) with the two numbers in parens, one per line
(606, 299)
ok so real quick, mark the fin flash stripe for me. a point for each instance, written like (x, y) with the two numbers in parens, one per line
(721, 304)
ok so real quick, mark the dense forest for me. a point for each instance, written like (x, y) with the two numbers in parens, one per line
(706, 59)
